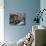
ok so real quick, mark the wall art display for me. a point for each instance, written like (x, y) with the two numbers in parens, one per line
(17, 19)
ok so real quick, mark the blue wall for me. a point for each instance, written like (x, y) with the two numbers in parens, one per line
(43, 6)
(14, 33)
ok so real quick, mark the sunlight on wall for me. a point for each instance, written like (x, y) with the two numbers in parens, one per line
(1, 25)
(1, 21)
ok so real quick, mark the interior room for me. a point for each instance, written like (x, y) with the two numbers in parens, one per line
(23, 23)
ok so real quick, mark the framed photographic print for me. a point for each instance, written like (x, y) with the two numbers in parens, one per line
(17, 19)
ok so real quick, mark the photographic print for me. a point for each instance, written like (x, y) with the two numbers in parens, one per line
(17, 19)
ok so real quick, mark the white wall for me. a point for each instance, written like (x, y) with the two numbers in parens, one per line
(1, 21)
(43, 6)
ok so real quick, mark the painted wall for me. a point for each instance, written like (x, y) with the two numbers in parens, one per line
(43, 6)
(14, 33)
